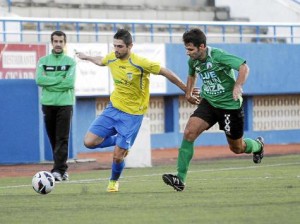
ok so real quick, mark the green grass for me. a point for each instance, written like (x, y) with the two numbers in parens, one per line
(218, 191)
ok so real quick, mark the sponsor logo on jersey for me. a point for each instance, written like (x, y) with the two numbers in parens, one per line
(51, 68)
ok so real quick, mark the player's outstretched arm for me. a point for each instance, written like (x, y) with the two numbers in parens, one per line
(97, 60)
(173, 78)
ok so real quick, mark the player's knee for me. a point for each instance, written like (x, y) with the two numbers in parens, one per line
(92, 143)
(89, 144)
(189, 135)
(126, 153)
(119, 155)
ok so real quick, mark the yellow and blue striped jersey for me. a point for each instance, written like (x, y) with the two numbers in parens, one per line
(131, 82)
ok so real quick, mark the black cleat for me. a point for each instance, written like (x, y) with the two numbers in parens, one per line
(173, 181)
(257, 157)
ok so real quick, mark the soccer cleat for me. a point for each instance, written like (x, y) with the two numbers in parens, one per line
(65, 176)
(173, 181)
(257, 157)
(113, 186)
(57, 176)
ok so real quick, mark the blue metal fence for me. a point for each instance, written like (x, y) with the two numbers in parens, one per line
(24, 29)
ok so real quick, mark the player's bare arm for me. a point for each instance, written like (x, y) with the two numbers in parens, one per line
(97, 60)
(191, 94)
(173, 78)
(241, 79)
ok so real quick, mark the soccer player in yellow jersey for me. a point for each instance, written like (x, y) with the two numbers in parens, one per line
(120, 122)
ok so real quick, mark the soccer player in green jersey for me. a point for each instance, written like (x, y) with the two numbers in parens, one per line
(120, 122)
(221, 102)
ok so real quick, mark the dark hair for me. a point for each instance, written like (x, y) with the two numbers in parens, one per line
(124, 35)
(194, 36)
(58, 33)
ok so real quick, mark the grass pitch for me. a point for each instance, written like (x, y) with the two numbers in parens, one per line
(218, 191)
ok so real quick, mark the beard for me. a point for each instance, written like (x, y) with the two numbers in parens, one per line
(58, 50)
(121, 56)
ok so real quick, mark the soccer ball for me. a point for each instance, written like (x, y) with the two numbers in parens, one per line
(43, 182)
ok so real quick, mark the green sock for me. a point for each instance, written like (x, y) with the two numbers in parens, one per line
(252, 146)
(185, 155)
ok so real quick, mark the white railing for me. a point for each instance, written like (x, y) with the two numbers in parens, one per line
(25, 29)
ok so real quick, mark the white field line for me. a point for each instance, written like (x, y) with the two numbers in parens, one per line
(159, 174)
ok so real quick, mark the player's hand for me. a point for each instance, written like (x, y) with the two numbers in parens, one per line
(196, 92)
(81, 55)
(193, 99)
(237, 91)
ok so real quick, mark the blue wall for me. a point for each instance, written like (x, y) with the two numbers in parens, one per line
(19, 122)
(23, 137)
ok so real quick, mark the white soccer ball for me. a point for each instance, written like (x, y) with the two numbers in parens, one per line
(43, 182)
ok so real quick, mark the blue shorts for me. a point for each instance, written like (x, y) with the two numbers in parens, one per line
(112, 122)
